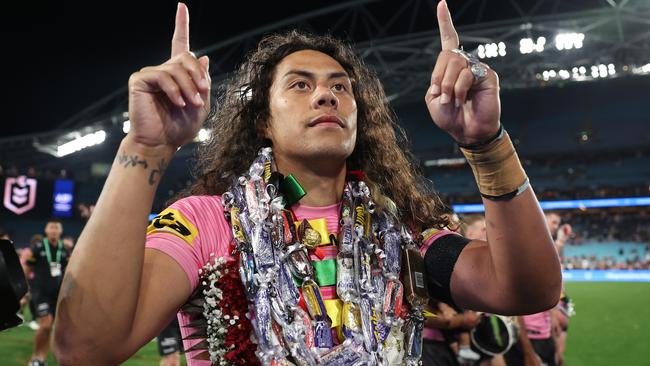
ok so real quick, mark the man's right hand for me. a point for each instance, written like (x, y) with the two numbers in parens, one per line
(471, 319)
(168, 103)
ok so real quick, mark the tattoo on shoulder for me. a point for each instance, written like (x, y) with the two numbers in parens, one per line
(131, 161)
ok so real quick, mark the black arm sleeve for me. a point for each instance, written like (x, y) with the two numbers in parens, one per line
(439, 262)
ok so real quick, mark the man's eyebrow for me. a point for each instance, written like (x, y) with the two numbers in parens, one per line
(311, 75)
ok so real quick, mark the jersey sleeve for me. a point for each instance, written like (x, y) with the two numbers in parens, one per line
(441, 249)
(190, 231)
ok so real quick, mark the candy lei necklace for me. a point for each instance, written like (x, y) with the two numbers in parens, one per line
(377, 329)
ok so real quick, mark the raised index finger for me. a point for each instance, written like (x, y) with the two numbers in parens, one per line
(448, 35)
(181, 38)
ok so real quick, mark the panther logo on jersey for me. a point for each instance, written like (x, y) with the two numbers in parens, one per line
(173, 222)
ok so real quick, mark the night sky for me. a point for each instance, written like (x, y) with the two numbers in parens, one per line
(61, 57)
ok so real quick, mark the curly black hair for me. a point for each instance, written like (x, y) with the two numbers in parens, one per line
(242, 112)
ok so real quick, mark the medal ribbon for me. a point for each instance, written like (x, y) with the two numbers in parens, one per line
(48, 254)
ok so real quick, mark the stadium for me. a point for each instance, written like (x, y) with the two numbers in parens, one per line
(573, 77)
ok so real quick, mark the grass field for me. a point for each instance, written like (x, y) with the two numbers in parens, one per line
(611, 327)
(16, 349)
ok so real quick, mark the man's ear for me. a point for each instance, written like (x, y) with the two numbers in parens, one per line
(263, 128)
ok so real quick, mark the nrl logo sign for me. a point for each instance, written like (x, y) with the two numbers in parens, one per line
(20, 194)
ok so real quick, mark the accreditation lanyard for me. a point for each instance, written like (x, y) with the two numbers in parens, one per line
(55, 267)
(59, 249)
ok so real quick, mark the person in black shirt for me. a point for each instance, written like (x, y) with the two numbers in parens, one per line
(47, 261)
(170, 344)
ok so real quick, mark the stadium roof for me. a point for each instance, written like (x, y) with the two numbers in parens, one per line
(72, 61)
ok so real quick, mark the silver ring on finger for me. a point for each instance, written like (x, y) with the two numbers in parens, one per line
(478, 69)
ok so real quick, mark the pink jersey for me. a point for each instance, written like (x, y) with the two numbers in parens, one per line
(194, 227)
(189, 230)
(538, 326)
(329, 213)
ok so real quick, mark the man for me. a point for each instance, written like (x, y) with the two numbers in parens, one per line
(169, 345)
(323, 113)
(47, 262)
(560, 233)
(25, 256)
(536, 343)
(436, 350)
(474, 227)
(448, 333)
(542, 336)
(68, 243)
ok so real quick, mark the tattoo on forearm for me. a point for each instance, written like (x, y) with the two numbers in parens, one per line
(131, 161)
(159, 171)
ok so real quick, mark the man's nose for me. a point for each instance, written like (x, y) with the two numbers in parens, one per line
(325, 98)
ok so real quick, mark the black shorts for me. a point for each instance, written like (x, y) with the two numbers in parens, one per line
(44, 302)
(436, 353)
(169, 340)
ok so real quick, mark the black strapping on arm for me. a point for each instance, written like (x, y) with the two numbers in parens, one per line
(439, 262)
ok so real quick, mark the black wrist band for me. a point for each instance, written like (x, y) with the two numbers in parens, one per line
(509, 196)
(480, 144)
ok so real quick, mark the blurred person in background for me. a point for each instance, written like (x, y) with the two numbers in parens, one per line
(475, 227)
(68, 243)
(170, 345)
(542, 336)
(85, 210)
(561, 233)
(47, 261)
(444, 344)
(437, 349)
(536, 343)
(25, 255)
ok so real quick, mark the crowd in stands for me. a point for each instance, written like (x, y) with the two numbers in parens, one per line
(606, 226)
(608, 239)
(592, 262)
